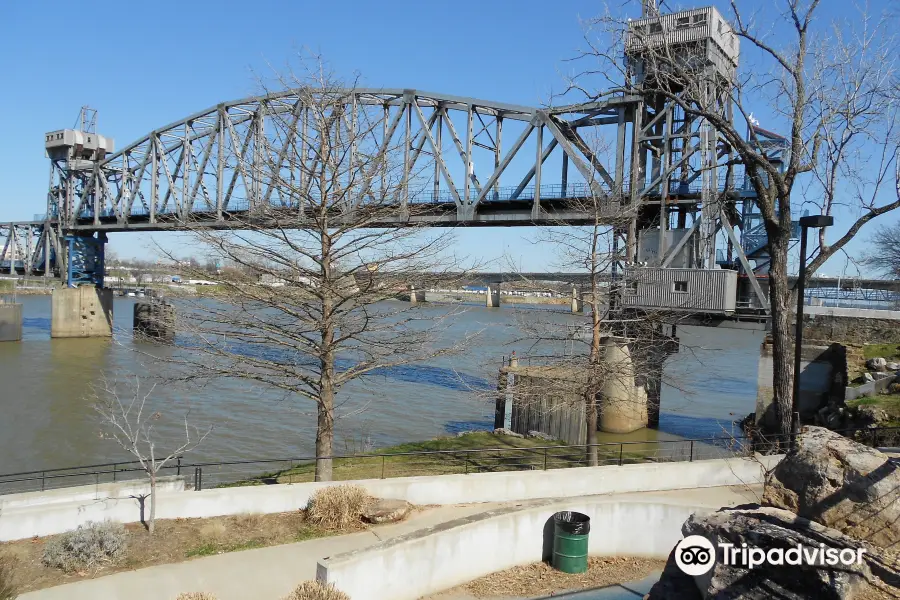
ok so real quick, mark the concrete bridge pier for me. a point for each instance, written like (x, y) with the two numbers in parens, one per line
(622, 404)
(10, 321)
(577, 301)
(84, 311)
(492, 297)
(651, 357)
(416, 296)
(155, 320)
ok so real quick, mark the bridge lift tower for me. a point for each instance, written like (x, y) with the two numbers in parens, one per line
(75, 156)
(676, 232)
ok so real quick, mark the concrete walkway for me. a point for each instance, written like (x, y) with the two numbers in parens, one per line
(271, 573)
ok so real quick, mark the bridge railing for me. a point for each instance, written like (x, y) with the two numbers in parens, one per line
(548, 192)
(380, 465)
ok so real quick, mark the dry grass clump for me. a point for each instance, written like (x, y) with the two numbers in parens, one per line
(313, 590)
(9, 582)
(338, 506)
(87, 548)
(196, 596)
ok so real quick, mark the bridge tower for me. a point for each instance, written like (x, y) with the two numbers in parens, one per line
(686, 204)
(75, 189)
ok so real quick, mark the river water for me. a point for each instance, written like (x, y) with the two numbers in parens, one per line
(47, 421)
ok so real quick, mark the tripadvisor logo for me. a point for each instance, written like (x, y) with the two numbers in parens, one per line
(696, 555)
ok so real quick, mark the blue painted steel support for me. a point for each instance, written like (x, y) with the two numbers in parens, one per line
(86, 260)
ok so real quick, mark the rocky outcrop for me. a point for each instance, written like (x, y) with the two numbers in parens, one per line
(876, 364)
(841, 484)
(386, 511)
(770, 528)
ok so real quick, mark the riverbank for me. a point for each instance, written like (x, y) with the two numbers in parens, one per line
(484, 452)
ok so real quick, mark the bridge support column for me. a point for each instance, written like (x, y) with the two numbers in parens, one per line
(155, 321)
(651, 355)
(416, 296)
(577, 301)
(492, 298)
(10, 322)
(84, 311)
(622, 404)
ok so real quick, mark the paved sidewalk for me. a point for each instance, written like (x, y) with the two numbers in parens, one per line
(271, 573)
(261, 574)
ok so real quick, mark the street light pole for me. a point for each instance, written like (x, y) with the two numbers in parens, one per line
(816, 221)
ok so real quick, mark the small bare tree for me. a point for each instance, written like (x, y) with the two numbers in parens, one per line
(313, 273)
(128, 420)
(580, 359)
(884, 255)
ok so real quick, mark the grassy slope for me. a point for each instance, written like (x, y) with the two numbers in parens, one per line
(503, 453)
(890, 403)
(890, 352)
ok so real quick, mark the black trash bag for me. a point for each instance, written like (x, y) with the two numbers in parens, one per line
(574, 523)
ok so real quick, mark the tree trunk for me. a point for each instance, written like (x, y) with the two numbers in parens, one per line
(325, 405)
(591, 423)
(151, 525)
(782, 334)
(593, 372)
(325, 434)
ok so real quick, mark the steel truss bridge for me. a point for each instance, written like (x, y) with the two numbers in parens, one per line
(465, 162)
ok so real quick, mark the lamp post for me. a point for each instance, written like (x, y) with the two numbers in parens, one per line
(812, 221)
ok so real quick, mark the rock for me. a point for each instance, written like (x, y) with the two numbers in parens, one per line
(892, 366)
(876, 364)
(841, 484)
(463, 433)
(387, 511)
(868, 416)
(541, 436)
(879, 375)
(866, 378)
(509, 432)
(674, 584)
(769, 528)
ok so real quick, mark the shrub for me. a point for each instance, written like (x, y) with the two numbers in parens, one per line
(89, 547)
(337, 506)
(196, 596)
(9, 584)
(313, 590)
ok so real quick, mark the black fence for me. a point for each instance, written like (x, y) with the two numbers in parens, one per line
(376, 465)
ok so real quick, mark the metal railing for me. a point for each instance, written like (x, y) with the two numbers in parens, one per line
(374, 465)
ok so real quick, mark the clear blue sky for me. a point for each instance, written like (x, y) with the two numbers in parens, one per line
(145, 64)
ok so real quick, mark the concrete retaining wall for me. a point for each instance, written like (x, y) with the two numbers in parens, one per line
(409, 567)
(27, 519)
(851, 325)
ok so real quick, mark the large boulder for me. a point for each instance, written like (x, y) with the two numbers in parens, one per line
(770, 528)
(834, 481)
(876, 364)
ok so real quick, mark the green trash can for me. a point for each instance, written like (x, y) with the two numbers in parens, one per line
(570, 541)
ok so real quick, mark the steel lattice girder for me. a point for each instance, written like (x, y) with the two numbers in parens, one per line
(206, 165)
(22, 247)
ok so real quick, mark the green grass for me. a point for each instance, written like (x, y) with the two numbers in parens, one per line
(889, 403)
(453, 456)
(890, 352)
(7, 285)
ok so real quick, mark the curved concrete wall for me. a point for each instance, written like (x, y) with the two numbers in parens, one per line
(28, 517)
(442, 557)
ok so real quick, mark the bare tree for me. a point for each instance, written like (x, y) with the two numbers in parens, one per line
(828, 84)
(583, 359)
(124, 412)
(308, 300)
(884, 255)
